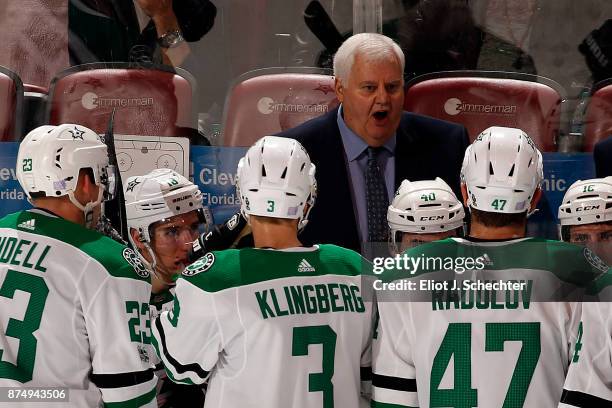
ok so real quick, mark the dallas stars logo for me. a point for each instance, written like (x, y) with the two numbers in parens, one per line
(76, 133)
(130, 256)
(131, 185)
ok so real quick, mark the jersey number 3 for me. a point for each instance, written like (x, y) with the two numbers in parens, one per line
(326, 336)
(23, 329)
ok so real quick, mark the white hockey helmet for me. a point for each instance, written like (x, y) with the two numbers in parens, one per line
(502, 169)
(156, 196)
(51, 157)
(587, 202)
(424, 207)
(276, 179)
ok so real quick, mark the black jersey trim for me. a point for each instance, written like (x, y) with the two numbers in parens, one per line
(121, 380)
(581, 399)
(365, 373)
(178, 367)
(394, 383)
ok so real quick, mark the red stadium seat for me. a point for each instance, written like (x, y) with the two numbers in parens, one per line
(11, 101)
(479, 99)
(267, 101)
(150, 101)
(598, 117)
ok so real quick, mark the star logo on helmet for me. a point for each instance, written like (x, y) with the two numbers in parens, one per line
(77, 133)
(131, 185)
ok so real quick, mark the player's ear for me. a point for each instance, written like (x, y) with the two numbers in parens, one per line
(537, 195)
(464, 194)
(339, 89)
(86, 188)
(137, 239)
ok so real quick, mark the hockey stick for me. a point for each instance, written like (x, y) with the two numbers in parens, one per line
(115, 207)
(322, 26)
(220, 237)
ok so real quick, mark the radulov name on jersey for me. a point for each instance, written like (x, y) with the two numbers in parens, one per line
(460, 298)
(310, 299)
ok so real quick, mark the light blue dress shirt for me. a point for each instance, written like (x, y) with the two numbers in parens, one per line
(357, 159)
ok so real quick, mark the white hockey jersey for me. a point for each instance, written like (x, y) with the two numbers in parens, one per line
(270, 328)
(73, 313)
(169, 393)
(467, 347)
(589, 380)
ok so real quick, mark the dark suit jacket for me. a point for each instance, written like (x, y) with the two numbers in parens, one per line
(108, 30)
(602, 154)
(426, 148)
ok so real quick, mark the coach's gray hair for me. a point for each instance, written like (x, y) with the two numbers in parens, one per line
(371, 46)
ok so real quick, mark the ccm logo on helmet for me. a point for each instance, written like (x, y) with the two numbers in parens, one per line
(433, 218)
(587, 208)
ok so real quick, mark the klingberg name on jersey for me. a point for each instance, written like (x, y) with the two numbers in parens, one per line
(310, 299)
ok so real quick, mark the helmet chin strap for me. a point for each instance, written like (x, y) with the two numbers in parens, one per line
(154, 266)
(88, 208)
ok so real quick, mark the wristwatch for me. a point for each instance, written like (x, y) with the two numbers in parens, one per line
(170, 39)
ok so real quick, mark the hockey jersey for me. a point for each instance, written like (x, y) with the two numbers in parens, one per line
(271, 328)
(474, 345)
(169, 393)
(589, 380)
(73, 313)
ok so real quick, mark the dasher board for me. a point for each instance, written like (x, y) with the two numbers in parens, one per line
(138, 155)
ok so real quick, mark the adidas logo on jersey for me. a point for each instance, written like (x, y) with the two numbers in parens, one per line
(29, 224)
(304, 266)
(486, 260)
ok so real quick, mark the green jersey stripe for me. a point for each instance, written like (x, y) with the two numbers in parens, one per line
(166, 368)
(251, 265)
(569, 263)
(103, 249)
